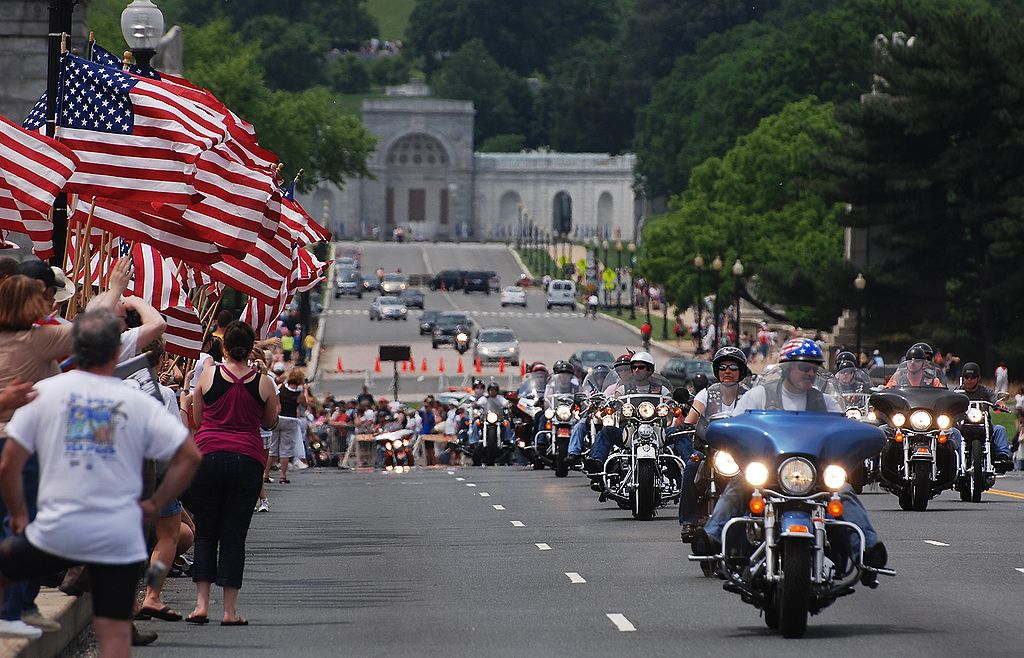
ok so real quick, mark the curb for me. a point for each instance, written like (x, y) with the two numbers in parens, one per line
(74, 614)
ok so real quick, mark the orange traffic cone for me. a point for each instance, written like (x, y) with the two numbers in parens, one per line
(412, 365)
(522, 368)
(501, 366)
(440, 364)
(478, 368)
(376, 365)
(405, 366)
(460, 370)
(340, 367)
(423, 365)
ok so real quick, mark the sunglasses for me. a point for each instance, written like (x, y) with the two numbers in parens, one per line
(639, 366)
(970, 376)
(728, 367)
(806, 367)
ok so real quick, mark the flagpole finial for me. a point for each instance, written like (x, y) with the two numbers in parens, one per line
(298, 174)
(63, 43)
(92, 35)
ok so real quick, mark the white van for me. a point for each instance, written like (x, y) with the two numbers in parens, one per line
(561, 293)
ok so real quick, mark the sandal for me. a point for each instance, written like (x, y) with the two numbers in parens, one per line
(165, 613)
(284, 481)
(241, 621)
(197, 619)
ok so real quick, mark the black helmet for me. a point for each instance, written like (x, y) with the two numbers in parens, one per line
(562, 367)
(926, 348)
(700, 382)
(970, 368)
(477, 382)
(493, 384)
(730, 353)
(600, 370)
(916, 352)
(845, 360)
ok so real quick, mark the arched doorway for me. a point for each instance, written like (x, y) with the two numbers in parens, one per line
(561, 213)
(417, 186)
(605, 213)
(510, 209)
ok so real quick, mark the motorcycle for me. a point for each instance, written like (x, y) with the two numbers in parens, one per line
(857, 403)
(978, 473)
(551, 442)
(714, 472)
(492, 448)
(919, 461)
(461, 341)
(397, 447)
(527, 415)
(791, 556)
(645, 474)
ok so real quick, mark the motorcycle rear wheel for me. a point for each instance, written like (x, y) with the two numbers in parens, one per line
(794, 590)
(644, 497)
(921, 486)
(978, 466)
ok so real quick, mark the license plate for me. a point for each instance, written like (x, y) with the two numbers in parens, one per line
(562, 431)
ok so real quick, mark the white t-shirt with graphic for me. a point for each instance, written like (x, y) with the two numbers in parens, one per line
(91, 434)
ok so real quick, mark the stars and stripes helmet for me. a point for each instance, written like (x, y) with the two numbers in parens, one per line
(801, 349)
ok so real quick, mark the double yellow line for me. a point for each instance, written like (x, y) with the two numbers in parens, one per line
(1009, 494)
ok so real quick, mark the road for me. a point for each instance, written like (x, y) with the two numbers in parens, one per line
(450, 562)
(544, 335)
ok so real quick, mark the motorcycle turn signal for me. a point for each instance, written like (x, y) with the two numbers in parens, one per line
(757, 503)
(835, 506)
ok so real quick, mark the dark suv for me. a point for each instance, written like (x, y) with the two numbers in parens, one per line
(477, 282)
(681, 371)
(449, 279)
(447, 325)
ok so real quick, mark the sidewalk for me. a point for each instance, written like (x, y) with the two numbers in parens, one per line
(73, 613)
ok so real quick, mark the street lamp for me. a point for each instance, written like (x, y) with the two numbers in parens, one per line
(519, 226)
(664, 313)
(618, 278)
(142, 25)
(698, 264)
(716, 266)
(632, 290)
(604, 261)
(737, 272)
(859, 283)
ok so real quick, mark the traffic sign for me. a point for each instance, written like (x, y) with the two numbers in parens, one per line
(608, 276)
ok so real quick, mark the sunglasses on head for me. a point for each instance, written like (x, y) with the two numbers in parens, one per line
(730, 367)
(639, 366)
(806, 367)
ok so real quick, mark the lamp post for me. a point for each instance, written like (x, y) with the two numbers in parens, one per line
(519, 226)
(698, 264)
(618, 278)
(142, 24)
(737, 272)
(859, 283)
(604, 261)
(716, 266)
(664, 313)
(632, 290)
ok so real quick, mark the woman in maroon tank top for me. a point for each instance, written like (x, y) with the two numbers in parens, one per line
(232, 400)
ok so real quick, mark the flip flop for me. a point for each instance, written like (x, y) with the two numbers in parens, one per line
(197, 619)
(284, 481)
(237, 622)
(165, 613)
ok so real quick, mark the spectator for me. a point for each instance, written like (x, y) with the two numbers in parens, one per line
(364, 397)
(287, 344)
(89, 512)
(8, 266)
(233, 400)
(283, 438)
(427, 420)
(1002, 379)
(224, 318)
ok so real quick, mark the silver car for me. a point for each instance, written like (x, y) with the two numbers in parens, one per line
(388, 308)
(393, 284)
(495, 344)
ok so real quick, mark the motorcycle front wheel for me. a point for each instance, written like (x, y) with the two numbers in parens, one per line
(793, 592)
(978, 467)
(561, 461)
(645, 495)
(921, 486)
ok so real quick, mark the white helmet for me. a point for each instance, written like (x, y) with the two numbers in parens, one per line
(643, 357)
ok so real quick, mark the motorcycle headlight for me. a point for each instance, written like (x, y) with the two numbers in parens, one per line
(646, 410)
(627, 410)
(663, 410)
(974, 415)
(899, 420)
(756, 473)
(461, 337)
(920, 420)
(943, 421)
(549, 413)
(564, 412)
(405, 310)
(853, 413)
(872, 415)
(834, 476)
(725, 464)
(645, 432)
(388, 446)
(492, 417)
(796, 475)
(405, 442)
(608, 421)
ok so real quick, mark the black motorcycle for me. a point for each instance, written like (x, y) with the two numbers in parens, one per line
(978, 473)
(492, 421)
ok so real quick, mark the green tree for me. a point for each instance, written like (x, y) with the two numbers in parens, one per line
(503, 144)
(754, 204)
(348, 75)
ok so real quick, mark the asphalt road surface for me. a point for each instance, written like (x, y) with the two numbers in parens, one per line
(507, 561)
(544, 335)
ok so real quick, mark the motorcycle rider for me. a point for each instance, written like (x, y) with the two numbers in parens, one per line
(641, 367)
(730, 365)
(847, 374)
(970, 381)
(592, 303)
(562, 380)
(800, 360)
(916, 371)
(492, 398)
(621, 369)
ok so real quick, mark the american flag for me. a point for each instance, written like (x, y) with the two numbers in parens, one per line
(136, 138)
(304, 229)
(20, 218)
(33, 168)
(307, 273)
(262, 270)
(156, 281)
(196, 279)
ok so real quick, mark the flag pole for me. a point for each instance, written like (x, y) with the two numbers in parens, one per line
(59, 26)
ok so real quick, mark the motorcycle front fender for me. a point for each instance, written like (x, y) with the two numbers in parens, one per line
(796, 524)
(646, 452)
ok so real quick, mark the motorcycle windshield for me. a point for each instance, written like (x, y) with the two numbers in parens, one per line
(853, 380)
(935, 400)
(774, 435)
(533, 386)
(563, 383)
(596, 381)
(491, 404)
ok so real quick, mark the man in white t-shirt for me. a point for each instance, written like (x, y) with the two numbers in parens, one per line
(91, 433)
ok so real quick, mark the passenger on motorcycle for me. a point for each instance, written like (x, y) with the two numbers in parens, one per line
(730, 366)
(493, 400)
(798, 384)
(851, 379)
(641, 380)
(599, 384)
(970, 381)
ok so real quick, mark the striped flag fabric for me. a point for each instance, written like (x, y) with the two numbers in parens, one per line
(33, 168)
(304, 229)
(135, 138)
(20, 218)
(261, 271)
(156, 281)
(308, 271)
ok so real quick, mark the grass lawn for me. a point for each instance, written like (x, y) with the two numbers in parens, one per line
(392, 17)
(537, 261)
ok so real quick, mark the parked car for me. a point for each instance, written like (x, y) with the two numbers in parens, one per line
(448, 279)
(561, 292)
(346, 263)
(393, 284)
(583, 361)
(513, 295)
(348, 282)
(427, 321)
(681, 371)
(388, 308)
(495, 344)
(412, 298)
(476, 282)
(447, 325)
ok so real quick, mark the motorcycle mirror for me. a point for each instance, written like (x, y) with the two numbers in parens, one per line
(579, 398)
(1001, 395)
(681, 395)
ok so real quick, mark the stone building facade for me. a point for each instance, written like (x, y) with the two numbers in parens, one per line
(428, 180)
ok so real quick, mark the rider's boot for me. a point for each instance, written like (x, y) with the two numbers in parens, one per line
(875, 556)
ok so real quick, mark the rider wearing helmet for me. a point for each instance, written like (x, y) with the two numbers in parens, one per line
(562, 381)
(620, 369)
(851, 379)
(700, 382)
(493, 399)
(916, 371)
(800, 362)
(970, 382)
(730, 366)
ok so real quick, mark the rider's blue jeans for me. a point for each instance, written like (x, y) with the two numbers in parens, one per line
(579, 430)
(733, 503)
(474, 434)
(1000, 441)
(606, 438)
(688, 512)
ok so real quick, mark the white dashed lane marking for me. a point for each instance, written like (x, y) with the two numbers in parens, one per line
(484, 494)
(470, 484)
(500, 508)
(543, 547)
(935, 543)
(574, 577)
(620, 622)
